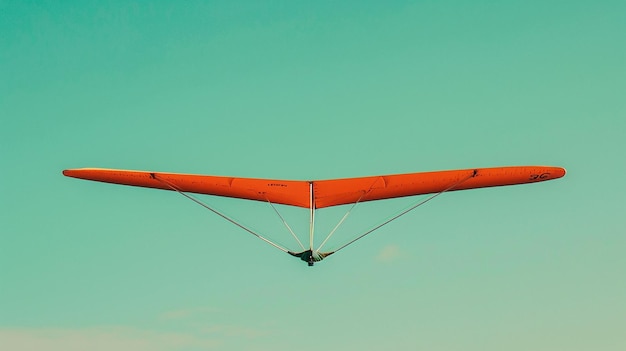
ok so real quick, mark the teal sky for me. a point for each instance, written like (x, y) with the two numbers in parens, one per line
(312, 90)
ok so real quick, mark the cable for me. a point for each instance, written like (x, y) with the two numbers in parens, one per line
(173, 187)
(286, 224)
(407, 210)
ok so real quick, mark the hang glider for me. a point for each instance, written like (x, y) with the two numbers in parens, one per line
(318, 194)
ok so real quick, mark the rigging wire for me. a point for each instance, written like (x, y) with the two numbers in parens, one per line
(173, 187)
(286, 224)
(341, 221)
(346, 215)
(407, 211)
(312, 215)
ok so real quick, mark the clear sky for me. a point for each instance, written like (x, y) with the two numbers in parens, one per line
(312, 90)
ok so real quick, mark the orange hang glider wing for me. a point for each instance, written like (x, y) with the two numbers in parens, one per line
(350, 190)
(326, 193)
(286, 192)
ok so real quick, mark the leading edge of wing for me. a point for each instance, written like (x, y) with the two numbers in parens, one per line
(286, 192)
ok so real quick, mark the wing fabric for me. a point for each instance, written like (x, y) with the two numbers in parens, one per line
(345, 191)
(286, 192)
(326, 192)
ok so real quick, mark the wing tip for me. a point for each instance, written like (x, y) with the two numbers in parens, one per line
(560, 172)
(80, 172)
(69, 172)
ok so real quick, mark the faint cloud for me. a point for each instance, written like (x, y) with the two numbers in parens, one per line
(234, 331)
(185, 313)
(203, 321)
(389, 253)
(99, 339)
